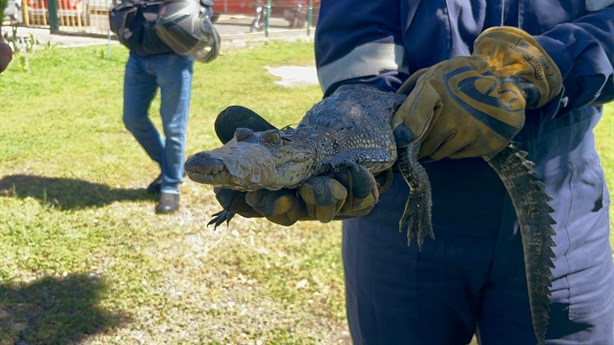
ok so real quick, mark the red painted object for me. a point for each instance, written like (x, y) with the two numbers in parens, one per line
(70, 12)
(74, 5)
(287, 9)
(234, 7)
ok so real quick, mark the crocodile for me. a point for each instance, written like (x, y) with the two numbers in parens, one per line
(352, 127)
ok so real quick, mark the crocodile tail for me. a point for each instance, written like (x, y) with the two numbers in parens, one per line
(530, 201)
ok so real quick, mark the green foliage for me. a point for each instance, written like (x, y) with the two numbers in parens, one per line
(24, 47)
(604, 133)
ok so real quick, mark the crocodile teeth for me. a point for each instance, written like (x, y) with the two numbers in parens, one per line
(206, 167)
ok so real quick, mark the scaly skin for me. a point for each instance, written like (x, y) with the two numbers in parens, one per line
(533, 212)
(335, 133)
(416, 217)
(352, 126)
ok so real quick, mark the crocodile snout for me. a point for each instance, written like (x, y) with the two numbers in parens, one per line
(207, 163)
(237, 165)
(207, 167)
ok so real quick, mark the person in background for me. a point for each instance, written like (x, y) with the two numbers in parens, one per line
(6, 55)
(478, 74)
(172, 73)
(164, 41)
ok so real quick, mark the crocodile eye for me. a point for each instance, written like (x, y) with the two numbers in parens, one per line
(274, 138)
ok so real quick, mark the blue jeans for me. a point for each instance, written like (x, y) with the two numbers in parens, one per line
(172, 73)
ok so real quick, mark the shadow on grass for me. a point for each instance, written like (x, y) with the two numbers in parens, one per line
(67, 193)
(54, 311)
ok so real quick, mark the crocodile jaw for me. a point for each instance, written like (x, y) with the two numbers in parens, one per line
(251, 166)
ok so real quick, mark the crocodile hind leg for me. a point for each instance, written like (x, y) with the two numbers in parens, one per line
(416, 217)
(533, 212)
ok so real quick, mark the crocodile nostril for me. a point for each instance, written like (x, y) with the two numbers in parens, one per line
(204, 162)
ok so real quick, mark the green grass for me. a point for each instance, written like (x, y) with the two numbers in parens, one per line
(605, 145)
(83, 257)
(78, 229)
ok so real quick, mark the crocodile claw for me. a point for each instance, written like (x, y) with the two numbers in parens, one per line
(220, 217)
(530, 202)
(417, 214)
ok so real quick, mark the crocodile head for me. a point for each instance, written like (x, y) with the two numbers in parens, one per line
(250, 161)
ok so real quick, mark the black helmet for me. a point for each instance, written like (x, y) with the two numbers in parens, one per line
(185, 26)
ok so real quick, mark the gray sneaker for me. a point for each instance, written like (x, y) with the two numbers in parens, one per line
(169, 203)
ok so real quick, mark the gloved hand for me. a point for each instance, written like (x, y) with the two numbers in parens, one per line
(474, 105)
(350, 192)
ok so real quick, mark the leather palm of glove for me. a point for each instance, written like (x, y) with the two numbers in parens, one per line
(350, 191)
(474, 105)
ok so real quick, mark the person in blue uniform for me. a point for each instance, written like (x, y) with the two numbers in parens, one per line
(535, 72)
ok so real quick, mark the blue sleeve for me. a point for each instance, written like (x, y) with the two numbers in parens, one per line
(584, 52)
(359, 41)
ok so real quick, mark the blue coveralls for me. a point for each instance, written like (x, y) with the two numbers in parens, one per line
(471, 277)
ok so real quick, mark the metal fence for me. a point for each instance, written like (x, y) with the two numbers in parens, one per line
(91, 16)
(71, 16)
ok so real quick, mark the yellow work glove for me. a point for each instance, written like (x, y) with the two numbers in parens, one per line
(474, 105)
(349, 192)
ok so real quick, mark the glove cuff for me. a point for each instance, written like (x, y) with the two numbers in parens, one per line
(513, 54)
